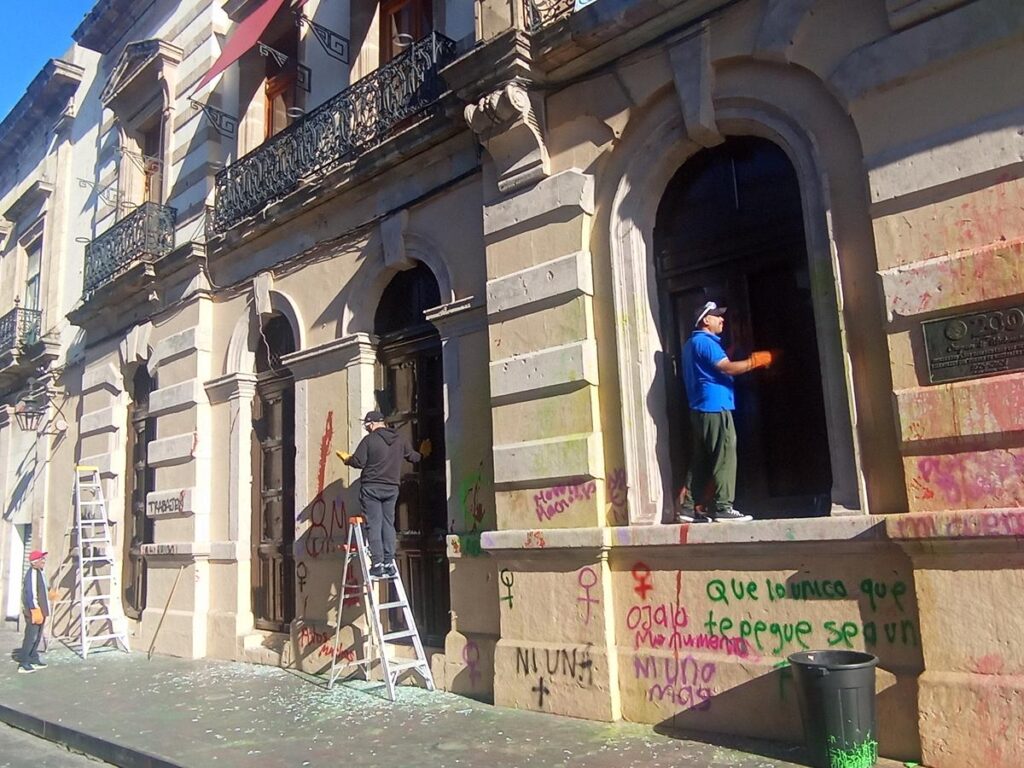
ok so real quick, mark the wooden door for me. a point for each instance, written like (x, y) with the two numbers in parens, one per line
(413, 403)
(141, 480)
(273, 533)
(730, 230)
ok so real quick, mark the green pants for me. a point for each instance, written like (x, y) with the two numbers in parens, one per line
(712, 475)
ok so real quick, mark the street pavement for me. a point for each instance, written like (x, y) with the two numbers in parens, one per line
(23, 750)
(130, 711)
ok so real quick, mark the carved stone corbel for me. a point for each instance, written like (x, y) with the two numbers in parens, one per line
(509, 123)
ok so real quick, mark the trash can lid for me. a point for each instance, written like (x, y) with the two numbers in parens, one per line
(834, 660)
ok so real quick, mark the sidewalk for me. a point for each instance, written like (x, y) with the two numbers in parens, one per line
(171, 712)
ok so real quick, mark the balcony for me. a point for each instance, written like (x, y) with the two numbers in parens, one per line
(19, 328)
(540, 13)
(146, 234)
(342, 128)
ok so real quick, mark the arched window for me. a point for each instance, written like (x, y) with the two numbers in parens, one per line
(729, 229)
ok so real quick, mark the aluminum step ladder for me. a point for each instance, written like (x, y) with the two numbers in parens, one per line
(98, 588)
(392, 668)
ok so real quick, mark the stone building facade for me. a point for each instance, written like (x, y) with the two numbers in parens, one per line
(493, 221)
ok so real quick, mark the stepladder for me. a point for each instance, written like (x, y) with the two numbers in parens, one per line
(382, 637)
(101, 616)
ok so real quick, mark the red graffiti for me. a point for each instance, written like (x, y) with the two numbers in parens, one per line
(642, 576)
(309, 637)
(325, 449)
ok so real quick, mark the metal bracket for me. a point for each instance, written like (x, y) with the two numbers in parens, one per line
(276, 55)
(334, 44)
(225, 124)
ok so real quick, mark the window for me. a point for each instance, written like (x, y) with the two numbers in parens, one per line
(402, 23)
(152, 165)
(33, 269)
(281, 83)
(141, 481)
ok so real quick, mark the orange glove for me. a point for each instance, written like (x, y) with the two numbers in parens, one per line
(426, 447)
(53, 595)
(761, 360)
(37, 615)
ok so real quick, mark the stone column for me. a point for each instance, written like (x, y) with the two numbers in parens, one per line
(233, 554)
(469, 646)
(555, 654)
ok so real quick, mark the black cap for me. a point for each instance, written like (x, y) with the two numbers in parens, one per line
(373, 416)
(710, 308)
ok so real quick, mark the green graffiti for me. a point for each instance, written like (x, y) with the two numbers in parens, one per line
(469, 544)
(863, 755)
(471, 499)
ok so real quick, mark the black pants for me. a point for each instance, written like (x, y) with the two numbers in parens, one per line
(30, 645)
(378, 503)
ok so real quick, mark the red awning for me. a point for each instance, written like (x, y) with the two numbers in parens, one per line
(245, 37)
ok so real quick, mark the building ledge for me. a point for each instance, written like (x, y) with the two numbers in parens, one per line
(952, 526)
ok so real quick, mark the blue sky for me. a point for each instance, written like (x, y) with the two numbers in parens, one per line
(30, 35)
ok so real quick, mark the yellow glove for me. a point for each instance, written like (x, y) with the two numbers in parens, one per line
(426, 447)
(37, 615)
(343, 455)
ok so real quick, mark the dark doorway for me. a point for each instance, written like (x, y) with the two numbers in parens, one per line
(411, 396)
(273, 524)
(141, 481)
(730, 230)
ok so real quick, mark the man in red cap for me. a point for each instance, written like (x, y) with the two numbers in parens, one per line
(36, 605)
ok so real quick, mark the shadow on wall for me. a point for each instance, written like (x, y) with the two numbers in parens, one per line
(712, 657)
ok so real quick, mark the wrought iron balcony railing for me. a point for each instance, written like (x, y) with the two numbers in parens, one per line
(146, 234)
(19, 327)
(540, 13)
(346, 125)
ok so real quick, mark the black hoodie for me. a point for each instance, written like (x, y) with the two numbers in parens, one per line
(380, 455)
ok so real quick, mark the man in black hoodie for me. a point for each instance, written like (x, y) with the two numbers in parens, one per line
(379, 455)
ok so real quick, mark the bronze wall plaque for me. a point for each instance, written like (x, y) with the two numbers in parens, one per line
(970, 346)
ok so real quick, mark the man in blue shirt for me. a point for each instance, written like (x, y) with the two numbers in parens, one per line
(708, 374)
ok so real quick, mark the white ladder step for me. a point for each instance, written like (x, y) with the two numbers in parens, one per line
(389, 636)
(389, 606)
(401, 666)
(100, 577)
(105, 636)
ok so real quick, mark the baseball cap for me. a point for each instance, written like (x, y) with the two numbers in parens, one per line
(709, 308)
(373, 416)
(35, 554)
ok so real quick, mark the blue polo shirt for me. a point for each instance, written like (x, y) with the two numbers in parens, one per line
(707, 388)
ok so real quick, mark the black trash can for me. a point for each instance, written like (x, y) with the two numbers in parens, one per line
(836, 692)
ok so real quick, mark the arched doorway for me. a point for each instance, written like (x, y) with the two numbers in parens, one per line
(730, 229)
(273, 524)
(410, 393)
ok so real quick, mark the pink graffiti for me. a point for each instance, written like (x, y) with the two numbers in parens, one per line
(587, 580)
(657, 626)
(471, 655)
(683, 682)
(554, 501)
(617, 494)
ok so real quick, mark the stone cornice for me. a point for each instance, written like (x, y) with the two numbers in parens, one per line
(108, 22)
(335, 355)
(45, 98)
(233, 385)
